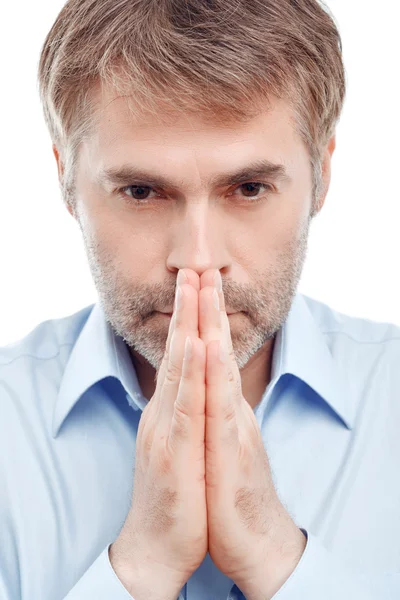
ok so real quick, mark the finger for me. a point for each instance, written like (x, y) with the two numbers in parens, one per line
(212, 278)
(209, 278)
(226, 331)
(214, 327)
(192, 278)
(209, 315)
(221, 407)
(228, 346)
(188, 412)
(160, 374)
(185, 324)
(190, 297)
(185, 276)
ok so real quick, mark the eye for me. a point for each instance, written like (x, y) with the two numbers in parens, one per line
(141, 194)
(253, 189)
(137, 192)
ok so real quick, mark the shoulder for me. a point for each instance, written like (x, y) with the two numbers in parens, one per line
(356, 330)
(46, 340)
(32, 368)
(358, 344)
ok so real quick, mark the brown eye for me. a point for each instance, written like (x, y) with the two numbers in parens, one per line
(251, 189)
(139, 192)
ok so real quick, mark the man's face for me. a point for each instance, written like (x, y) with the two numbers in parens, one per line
(139, 229)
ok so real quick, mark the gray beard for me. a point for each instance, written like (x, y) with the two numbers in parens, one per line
(128, 307)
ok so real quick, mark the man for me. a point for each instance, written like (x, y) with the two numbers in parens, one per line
(202, 431)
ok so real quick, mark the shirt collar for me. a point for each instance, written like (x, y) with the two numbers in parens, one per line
(300, 349)
(97, 353)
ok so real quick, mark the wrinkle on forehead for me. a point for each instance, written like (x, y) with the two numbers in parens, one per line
(165, 113)
(190, 147)
(116, 122)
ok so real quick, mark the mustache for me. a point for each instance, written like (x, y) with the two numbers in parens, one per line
(150, 299)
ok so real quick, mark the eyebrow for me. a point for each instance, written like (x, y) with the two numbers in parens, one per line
(128, 175)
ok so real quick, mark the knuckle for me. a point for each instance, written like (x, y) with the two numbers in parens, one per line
(181, 412)
(146, 435)
(173, 373)
(231, 432)
(147, 443)
(181, 422)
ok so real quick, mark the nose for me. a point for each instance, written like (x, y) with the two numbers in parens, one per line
(199, 240)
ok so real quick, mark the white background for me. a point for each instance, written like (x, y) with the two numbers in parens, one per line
(353, 261)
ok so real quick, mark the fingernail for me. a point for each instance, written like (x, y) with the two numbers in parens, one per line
(181, 277)
(178, 298)
(215, 299)
(218, 281)
(222, 353)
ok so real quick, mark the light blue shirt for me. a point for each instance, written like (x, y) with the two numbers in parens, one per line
(70, 405)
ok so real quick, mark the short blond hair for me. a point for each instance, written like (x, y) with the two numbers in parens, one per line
(220, 58)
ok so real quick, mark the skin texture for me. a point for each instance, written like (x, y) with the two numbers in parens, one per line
(135, 252)
(251, 537)
(202, 480)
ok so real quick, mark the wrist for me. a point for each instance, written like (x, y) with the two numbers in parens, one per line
(275, 568)
(144, 578)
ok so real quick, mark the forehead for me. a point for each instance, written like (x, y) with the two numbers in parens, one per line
(116, 113)
(121, 134)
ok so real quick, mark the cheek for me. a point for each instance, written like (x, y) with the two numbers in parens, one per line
(276, 229)
(138, 249)
(113, 228)
(291, 216)
(274, 235)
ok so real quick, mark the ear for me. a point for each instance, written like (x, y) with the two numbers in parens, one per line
(326, 175)
(60, 168)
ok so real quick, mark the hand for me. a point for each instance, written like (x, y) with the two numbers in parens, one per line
(251, 537)
(164, 538)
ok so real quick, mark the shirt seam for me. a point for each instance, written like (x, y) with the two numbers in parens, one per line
(28, 355)
(358, 341)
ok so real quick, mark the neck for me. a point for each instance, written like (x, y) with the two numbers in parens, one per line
(255, 375)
